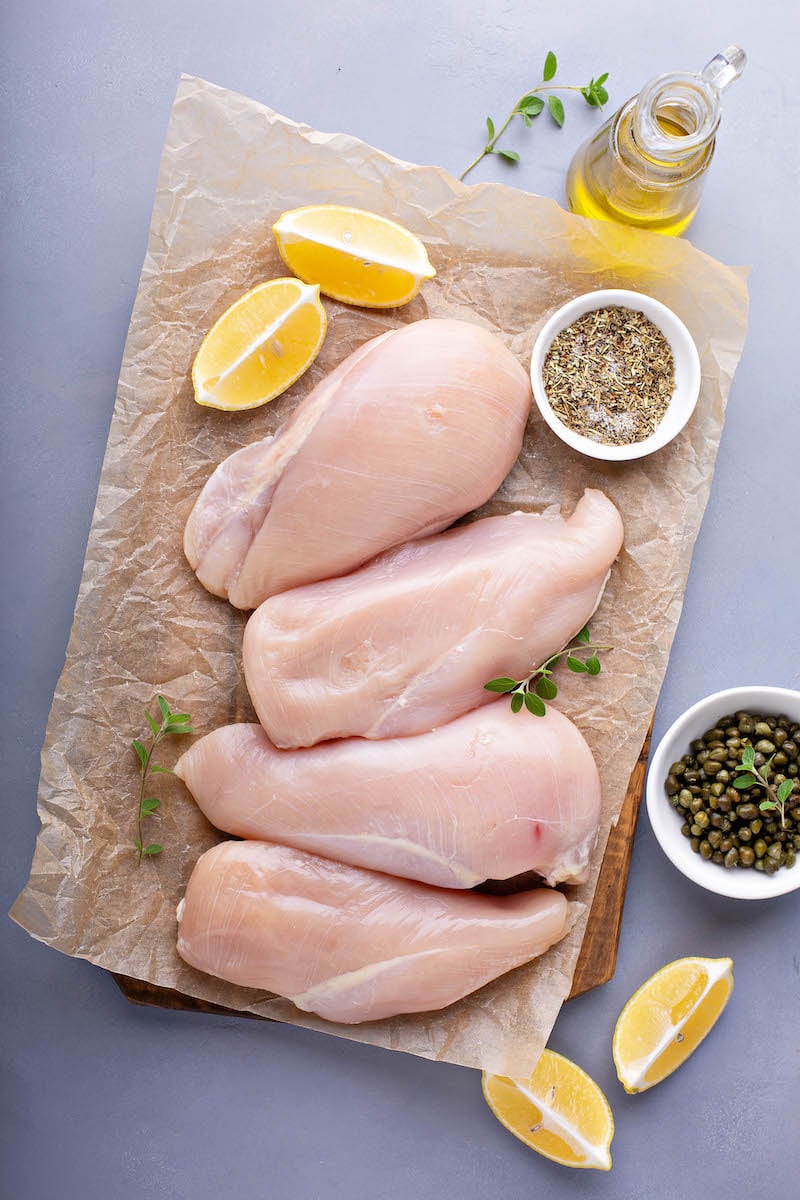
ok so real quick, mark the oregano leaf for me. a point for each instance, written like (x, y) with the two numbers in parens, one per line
(153, 848)
(593, 665)
(546, 688)
(785, 790)
(584, 635)
(576, 665)
(164, 706)
(508, 155)
(516, 702)
(556, 109)
(534, 704)
(501, 685)
(744, 781)
(550, 66)
(141, 753)
(490, 128)
(149, 805)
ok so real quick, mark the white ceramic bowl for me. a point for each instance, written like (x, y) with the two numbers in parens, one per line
(741, 883)
(687, 371)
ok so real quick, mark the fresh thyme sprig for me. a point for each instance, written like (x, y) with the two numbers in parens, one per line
(170, 723)
(532, 104)
(538, 686)
(751, 774)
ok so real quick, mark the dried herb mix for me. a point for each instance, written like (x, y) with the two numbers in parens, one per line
(610, 376)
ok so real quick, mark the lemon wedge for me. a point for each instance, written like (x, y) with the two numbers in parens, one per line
(260, 346)
(355, 256)
(667, 1019)
(559, 1112)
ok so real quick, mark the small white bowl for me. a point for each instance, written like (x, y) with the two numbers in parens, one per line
(741, 883)
(687, 372)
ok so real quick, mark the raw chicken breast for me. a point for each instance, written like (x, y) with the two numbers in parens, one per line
(488, 796)
(407, 643)
(348, 944)
(414, 429)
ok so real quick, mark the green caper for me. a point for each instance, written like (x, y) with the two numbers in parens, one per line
(695, 844)
(717, 820)
(780, 735)
(764, 746)
(717, 788)
(759, 848)
(756, 826)
(733, 743)
(746, 723)
(685, 829)
(711, 766)
(775, 851)
(747, 812)
(696, 829)
(780, 760)
(789, 748)
(726, 802)
(684, 797)
(702, 819)
(746, 857)
(717, 857)
(732, 857)
(743, 833)
(672, 787)
(719, 754)
(696, 805)
(791, 858)
(705, 849)
(677, 769)
(762, 729)
(714, 837)
(726, 844)
(759, 864)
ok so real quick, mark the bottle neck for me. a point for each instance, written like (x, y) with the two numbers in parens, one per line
(675, 118)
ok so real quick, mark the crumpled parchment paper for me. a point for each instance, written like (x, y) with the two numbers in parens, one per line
(144, 624)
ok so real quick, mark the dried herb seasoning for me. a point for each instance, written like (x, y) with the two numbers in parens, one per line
(610, 376)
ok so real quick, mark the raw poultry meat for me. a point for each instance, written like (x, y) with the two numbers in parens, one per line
(406, 643)
(348, 944)
(489, 796)
(414, 429)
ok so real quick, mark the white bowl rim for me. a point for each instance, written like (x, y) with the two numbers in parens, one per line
(684, 351)
(739, 885)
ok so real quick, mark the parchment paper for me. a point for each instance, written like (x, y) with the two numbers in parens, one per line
(143, 623)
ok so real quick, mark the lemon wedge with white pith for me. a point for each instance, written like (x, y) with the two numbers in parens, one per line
(667, 1019)
(355, 256)
(559, 1112)
(260, 346)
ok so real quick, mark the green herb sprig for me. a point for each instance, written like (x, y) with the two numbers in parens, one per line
(533, 103)
(538, 686)
(751, 775)
(170, 723)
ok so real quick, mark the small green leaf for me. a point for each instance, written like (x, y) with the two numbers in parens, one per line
(141, 753)
(527, 120)
(767, 805)
(153, 723)
(531, 105)
(593, 665)
(546, 689)
(165, 708)
(576, 665)
(601, 78)
(161, 771)
(767, 766)
(153, 848)
(490, 128)
(181, 727)
(748, 758)
(516, 702)
(508, 155)
(501, 685)
(556, 110)
(584, 635)
(148, 806)
(551, 662)
(744, 781)
(138, 845)
(550, 66)
(601, 96)
(534, 704)
(179, 718)
(785, 790)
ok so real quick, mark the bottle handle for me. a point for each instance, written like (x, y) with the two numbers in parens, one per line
(724, 67)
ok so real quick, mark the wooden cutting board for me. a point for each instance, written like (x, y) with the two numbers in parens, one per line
(598, 957)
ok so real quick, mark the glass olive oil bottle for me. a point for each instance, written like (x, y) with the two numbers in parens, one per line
(646, 166)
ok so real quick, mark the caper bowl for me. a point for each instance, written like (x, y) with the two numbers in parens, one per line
(742, 883)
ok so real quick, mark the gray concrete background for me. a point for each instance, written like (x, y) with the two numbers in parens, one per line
(100, 1099)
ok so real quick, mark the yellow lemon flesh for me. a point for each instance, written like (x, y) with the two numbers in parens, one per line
(260, 346)
(559, 1111)
(667, 1019)
(355, 256)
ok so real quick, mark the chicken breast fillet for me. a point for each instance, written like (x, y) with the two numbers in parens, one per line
(406, 643)
(414, 429)
(348, 944)
(489, 796)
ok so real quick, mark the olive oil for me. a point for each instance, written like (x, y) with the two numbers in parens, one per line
(646, 166)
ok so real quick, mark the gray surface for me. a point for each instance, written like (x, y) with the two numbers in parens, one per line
(136, 1103)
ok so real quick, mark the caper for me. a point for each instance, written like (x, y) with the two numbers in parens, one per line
(696, 829)
(677, 769)
(719, 754)
(717, 820)
(684, 797)
(746, 723)
(770, 865)
(746, 857)
(726, 802)
(705, 849)
(775, 851)
(685, 829)
(701, 757)
(789, 748)
(713, 735)
(695, 844)
(756, 826)
(762, 729)
(717, 788)
(697, 745)
(715, 837)
(697, 804)
(717, 857)
(780, 735)
(759, 864)
(791, 858)
(725, 722)
(701, 819)
(743, 833)
(747, 812)
(793, 770)
(724, 776)
(672, 787)
(690, 775)
(711, 766)
(732, 857)
(726, 825)
(726, 844)
(780, 760)
(733, 743)
(759, 848)
(764, 746)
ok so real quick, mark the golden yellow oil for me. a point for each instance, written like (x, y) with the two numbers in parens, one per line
(609, 179)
